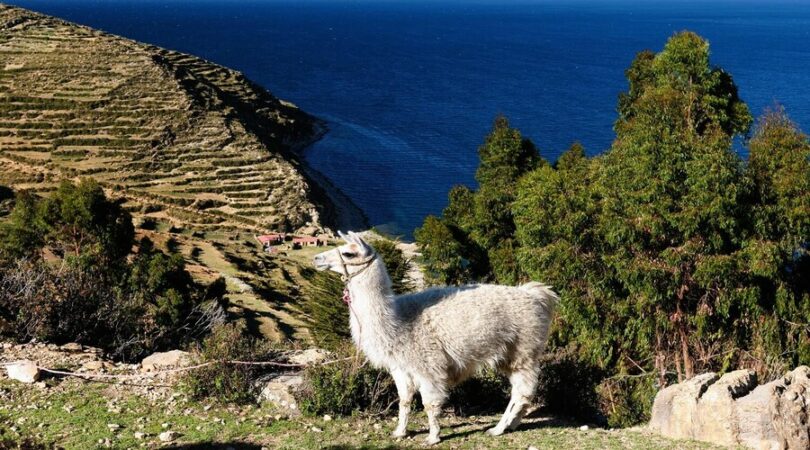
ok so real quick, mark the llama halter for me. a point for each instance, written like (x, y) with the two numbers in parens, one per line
(366, 263)
(346, 277)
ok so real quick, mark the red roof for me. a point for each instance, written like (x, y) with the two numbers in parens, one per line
(305, 239)
(264, 239)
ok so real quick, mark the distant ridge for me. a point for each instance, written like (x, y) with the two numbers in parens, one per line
(176, 136)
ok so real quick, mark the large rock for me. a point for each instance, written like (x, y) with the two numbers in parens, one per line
(717, 408)
(280, 391)
(166, 360)
(674, 411)
(24, 371)
(755, 417)
(791, 410)
(734, 411)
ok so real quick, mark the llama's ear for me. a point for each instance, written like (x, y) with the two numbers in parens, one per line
(343, 236)
(359, 240)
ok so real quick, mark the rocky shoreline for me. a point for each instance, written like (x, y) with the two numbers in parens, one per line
(346, 214)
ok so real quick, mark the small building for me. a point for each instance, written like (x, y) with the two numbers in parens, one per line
(307, 241)
(270, 239)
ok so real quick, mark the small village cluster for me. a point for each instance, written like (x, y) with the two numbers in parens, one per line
(273, 243)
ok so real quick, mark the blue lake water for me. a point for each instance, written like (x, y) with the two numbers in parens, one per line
(410, 88)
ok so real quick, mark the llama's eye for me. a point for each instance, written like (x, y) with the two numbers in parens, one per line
(349, 255)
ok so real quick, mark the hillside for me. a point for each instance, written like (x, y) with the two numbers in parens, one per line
(202, 157)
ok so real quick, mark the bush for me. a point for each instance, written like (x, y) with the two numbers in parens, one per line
(68, 274)
(326, 315)
(234, 383)
(346, 387)
(627, 400)
(568, 387)
(486, 392)
(396, 263)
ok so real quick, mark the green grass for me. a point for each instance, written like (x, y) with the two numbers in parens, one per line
(75, 415)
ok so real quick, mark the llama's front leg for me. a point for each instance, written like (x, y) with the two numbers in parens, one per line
(433, 399)
(405, 389)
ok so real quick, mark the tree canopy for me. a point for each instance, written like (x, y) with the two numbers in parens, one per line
(671, 253)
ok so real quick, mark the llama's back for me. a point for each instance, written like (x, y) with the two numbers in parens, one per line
(482, 324)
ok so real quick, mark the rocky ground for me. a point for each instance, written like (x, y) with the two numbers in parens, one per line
(149, 412)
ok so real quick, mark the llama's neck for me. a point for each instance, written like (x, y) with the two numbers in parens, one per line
(373, 317)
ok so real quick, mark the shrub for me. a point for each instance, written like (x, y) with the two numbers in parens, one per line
(486, 392)
(396, 263)
(626, 400)
(148, 223)
(68, 274)
(346, 387)
(568, 386)
(326, 314)
(236, 383)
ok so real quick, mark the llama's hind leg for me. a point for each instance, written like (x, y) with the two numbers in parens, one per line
(433, 398)
(524, 383)
(405, 389)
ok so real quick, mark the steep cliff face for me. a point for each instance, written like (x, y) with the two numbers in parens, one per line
(176, 136)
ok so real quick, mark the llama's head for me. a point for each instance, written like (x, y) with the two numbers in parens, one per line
(348, 259)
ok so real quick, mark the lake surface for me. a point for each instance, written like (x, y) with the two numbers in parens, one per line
(410, 88)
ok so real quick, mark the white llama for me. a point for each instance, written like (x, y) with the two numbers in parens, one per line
(434, 339)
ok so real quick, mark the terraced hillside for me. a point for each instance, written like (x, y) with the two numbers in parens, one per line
(202, 157)
(165, 129)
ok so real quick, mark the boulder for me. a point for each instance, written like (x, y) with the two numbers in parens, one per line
(717, 408)
(733, 410)
(165, 360)
(791, 410)
(755, 417)
(280, 391)
(24, 371)
(674, 410)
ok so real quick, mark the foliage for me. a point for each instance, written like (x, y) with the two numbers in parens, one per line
(474, 240)
(449, 257)
(68, 274)
(346, 387)
(567, 386)
(229, 383)
(77, 223)
(671, 254)
(486, 392)
(396, 264)
(327, 315)
(626, 400)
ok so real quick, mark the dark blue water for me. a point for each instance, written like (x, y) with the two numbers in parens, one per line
(410, 88)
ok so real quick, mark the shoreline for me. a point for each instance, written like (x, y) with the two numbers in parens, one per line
(345, 214)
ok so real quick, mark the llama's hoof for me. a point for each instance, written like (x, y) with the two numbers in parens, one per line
(432, 440)
(399, 433)
(513, 426)
(495, 431)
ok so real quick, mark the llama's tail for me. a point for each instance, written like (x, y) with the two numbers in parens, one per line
(544, 292)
